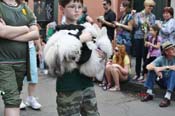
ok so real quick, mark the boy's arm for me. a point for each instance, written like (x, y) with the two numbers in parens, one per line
(85, 36)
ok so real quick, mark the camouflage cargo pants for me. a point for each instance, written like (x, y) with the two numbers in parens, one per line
(77, 103)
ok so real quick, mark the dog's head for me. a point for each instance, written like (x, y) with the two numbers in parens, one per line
(72, 55)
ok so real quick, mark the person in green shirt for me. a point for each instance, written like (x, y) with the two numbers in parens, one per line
(75, 91)
(17, 27)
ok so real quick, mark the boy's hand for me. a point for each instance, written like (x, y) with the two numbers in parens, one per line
(85, 36)
(100, 53)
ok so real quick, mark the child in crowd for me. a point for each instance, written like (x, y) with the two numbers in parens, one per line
(75, 91)
(153, 44)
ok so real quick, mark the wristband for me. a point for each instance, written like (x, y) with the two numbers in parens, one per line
(167, 67)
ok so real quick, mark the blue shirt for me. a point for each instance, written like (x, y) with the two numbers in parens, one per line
(139, 19)
(163, 61)
(167, 31)
(123, 35)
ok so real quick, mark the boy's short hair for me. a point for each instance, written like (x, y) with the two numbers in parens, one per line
(108, 1)
(63, 3)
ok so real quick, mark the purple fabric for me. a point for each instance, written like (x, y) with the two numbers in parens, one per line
(153, 51)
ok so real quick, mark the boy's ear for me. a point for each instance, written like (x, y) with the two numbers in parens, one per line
(61, 9)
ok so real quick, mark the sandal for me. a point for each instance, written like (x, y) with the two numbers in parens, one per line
(108, 86)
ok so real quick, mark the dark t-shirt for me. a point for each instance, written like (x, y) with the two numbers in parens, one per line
(110, 16)
(72, 81)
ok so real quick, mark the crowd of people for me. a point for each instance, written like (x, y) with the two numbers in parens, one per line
(154, 49)
(153, 41)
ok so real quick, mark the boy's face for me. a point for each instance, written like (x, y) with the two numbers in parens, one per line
(72, 11)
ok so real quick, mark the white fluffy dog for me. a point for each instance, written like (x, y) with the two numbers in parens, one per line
(63, 51)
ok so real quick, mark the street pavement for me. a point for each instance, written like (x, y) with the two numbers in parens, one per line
(109, 103)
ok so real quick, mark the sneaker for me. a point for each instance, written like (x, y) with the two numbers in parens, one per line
(140, 78)
(45, 71)
(114, 89)
(22, 106)
(135, 77)
(33, 103)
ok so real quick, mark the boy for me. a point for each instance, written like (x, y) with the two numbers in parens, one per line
(75, 92)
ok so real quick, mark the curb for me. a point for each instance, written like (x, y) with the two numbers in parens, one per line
(136, 88)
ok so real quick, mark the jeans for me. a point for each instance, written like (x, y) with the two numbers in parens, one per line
(165, 82)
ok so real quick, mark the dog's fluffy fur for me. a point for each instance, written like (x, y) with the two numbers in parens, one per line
(63, 51)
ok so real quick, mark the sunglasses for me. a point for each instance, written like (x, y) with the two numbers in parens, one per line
(151, 6)
(104, 4)
(116, 50)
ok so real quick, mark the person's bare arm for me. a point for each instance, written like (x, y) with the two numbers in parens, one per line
(151, 66)
(33, 34)
(39, 48)
(128, 27)
(89, 19)
(108, 23)
(10, 32)
(158, 70)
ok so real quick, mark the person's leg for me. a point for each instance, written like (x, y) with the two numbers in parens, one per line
(118, 76)
(11, 112)
(115, 76)
(89, 104)
(31, 100)
(150, 80)
(31, 89)
(108, 75)
(149, 84)
(11, 85)
(139, 52)
(169, 83)
(145, 71)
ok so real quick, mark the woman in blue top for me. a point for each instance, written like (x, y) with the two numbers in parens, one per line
(124, 26)
(142, 21)
(167, 28)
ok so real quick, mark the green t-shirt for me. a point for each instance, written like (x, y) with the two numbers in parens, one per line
(13, 51)
(71, 81)
(49, 33)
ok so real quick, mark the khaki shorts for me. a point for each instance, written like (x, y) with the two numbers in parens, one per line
(11, 82)
(78, 102)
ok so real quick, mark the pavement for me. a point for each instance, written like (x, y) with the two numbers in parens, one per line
(123, 103)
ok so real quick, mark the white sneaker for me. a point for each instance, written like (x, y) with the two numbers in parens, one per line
(33, 103)
(114, 89)
(140, 78)
(22, 106)
(45, 71)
